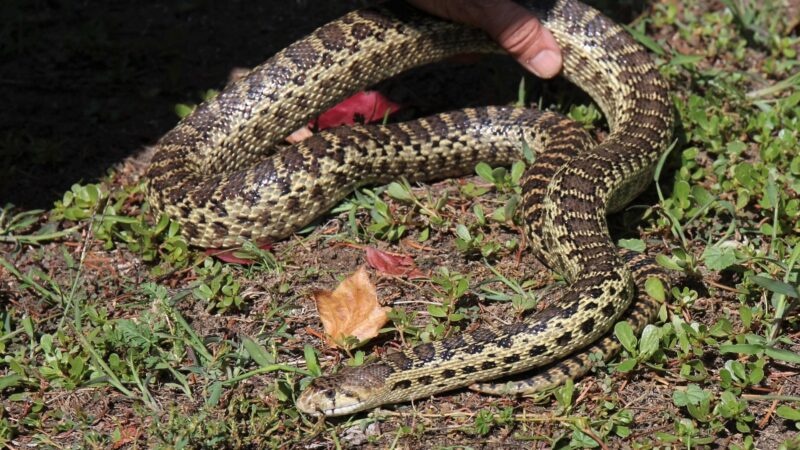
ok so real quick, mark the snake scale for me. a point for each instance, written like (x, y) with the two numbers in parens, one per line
(220, 174)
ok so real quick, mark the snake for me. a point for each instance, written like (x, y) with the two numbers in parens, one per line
(224, 176)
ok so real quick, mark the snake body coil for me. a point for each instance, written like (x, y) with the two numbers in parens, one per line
(216, 174)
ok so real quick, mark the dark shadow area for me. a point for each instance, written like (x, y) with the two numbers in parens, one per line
(86, 84)
(622, 11)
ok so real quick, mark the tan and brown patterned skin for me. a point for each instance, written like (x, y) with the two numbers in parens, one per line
(214, 174)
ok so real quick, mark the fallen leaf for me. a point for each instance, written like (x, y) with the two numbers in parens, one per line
(126, 436)
(363, 107)
(235, 256)
(393, 264)
(351, 310)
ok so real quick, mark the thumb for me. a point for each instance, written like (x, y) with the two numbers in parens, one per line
(511, 25)
(522, 36)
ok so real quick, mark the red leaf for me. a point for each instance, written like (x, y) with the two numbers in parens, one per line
(398, 265)
(126, 436)
(235, 256)
(363, 107)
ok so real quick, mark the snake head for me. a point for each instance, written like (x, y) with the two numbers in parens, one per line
(351, 390)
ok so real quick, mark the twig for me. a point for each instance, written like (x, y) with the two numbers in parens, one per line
(770, 411)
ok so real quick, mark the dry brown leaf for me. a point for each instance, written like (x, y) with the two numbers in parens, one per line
(352, 309)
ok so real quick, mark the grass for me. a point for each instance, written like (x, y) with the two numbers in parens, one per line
(113, 333)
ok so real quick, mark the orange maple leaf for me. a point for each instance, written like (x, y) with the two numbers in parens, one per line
(351, 310)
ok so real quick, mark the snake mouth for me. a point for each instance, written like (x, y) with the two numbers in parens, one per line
(342, 410)
(331, 411)
(328, 403)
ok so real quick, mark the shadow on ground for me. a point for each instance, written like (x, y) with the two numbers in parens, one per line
(86, 84)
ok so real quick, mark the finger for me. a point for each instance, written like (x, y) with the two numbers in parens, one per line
(522, 35)
(511, 25)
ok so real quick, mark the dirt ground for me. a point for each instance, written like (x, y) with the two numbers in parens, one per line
(88, 86)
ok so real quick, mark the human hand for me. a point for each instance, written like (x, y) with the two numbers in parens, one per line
(511, 25)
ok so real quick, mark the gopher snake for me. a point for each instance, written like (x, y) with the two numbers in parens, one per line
(214, 174)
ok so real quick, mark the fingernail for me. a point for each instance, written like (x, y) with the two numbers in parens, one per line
(546, 64)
